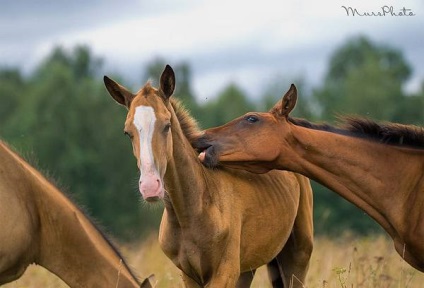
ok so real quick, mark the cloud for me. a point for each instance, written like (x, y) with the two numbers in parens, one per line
(241, 41)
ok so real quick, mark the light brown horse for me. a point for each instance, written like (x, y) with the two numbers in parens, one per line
(378, 167)
(218, 225)
(40, 225)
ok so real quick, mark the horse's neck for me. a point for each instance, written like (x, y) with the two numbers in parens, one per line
(71, 247)
(185, 177)
(366, 173)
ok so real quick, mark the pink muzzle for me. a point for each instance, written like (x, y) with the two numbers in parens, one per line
(151, 187)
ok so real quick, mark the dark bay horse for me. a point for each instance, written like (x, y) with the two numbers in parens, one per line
(377, 166)
(40, 225)
(218, 225)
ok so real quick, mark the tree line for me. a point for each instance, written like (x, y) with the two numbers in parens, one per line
(61, 118)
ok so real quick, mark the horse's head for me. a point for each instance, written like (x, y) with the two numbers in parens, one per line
(248, 142)
(148, 125)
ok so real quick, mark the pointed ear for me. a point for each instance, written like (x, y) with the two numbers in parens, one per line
(286, 105)
(167, 82)
(118, 92)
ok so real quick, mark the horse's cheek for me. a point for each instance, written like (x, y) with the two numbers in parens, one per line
(169, 148)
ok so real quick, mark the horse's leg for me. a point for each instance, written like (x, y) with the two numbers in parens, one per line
(245, 279)
(188, 282)
(223, 278)
(275, 274)
(295, 256)
(294, 263)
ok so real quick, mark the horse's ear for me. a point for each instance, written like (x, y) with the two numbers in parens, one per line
(286, 105)
(118, 92)
(167, 82)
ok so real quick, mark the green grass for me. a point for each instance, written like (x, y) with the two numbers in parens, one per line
(347, 262)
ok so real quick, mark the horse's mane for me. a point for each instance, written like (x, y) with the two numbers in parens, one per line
(188, 124)
(385, 132)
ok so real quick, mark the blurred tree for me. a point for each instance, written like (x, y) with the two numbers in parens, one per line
(411, 109)
(333, 215)
(230, 103)
(183, 78)
(153, 70)
(12, 85)
(363, 78)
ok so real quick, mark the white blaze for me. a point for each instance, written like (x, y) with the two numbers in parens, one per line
(144, 121)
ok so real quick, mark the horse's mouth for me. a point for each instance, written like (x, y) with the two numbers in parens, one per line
(208, 156)
(203, 153)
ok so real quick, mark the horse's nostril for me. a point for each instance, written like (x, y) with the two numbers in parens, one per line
(149, 184)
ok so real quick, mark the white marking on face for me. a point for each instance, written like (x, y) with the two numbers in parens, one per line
(144, 121)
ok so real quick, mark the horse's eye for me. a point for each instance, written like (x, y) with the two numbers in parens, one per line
(252, 119)
(167, 127)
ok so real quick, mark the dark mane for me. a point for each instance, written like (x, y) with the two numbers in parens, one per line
(188, 124)
(385, 132)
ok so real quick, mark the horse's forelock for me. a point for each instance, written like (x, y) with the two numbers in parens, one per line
(147, 89)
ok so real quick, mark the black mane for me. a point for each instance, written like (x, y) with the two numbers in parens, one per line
(385, 132)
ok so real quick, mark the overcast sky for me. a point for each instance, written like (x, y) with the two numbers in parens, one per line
(247, 42)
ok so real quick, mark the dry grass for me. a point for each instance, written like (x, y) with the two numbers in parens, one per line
(343, 263)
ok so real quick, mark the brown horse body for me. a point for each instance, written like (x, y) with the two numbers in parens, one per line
(378, 167)
(40, 225)
(218, 225)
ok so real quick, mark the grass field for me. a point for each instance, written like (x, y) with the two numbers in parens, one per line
(346, 262)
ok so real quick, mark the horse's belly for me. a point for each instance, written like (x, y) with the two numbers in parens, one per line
(265, 233)
(260, 248)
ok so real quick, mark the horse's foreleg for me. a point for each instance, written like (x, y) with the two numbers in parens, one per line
(225, 279)
(245, 279)
(295, 256)
(275, 274)
(189, 283)
(294, 261)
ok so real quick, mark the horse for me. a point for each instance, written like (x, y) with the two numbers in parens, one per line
(218, 226)
(376, 166)
(42, 226)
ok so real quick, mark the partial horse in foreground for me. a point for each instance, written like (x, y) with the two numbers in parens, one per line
(218, 225)
(40, 225)
(379, 167)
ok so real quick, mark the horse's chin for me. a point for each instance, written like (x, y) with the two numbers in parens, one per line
(153, 199)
